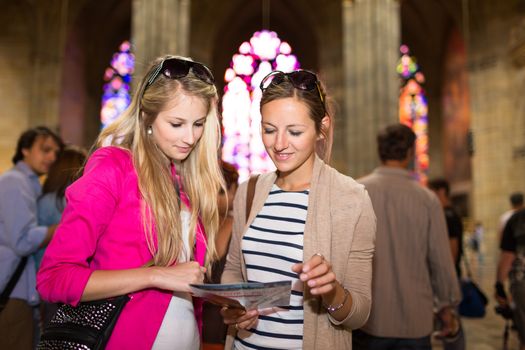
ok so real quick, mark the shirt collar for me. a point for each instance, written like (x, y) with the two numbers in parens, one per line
(24, 168)
(387, 170)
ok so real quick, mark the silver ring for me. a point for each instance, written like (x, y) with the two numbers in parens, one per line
(319, 254)
(237, 326)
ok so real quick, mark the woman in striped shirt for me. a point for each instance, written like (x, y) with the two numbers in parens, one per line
(308, 224)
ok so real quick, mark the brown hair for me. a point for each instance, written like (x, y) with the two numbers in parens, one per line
(64, 171)
(230, 174)
(394, 142)
(28, 138)
(316, 108)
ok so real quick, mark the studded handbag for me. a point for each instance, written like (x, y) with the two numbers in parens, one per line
(87, 326)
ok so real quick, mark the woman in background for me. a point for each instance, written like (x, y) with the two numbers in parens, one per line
(64, 171)
(214, 329)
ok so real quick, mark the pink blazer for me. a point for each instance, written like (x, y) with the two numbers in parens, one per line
(101, 228)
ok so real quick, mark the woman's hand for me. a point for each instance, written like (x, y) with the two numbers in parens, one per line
(242, 319)
(178, 277)
(317, 274)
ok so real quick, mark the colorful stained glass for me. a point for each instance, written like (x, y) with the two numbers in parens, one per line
(116, 97)
(241, 119)
(413, 109)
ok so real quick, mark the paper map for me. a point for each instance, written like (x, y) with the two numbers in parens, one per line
(245, 295)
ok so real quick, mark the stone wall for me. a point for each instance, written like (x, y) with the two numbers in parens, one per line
(497, 84)
(31, 46)
(371, 32)
(15, 76)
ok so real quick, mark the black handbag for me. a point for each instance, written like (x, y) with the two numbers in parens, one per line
(87, 326)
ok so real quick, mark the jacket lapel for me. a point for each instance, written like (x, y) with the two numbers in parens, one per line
(317, 232)
(317, 238)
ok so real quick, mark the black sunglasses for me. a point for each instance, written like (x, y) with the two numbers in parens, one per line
(300, 79)
(176, 68)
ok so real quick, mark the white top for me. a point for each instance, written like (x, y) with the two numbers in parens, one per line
(272, 244)
(504, 218)
(179, 328)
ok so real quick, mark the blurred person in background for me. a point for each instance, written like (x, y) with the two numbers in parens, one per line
(516, 203)
(511, 267)
(214, 330)
(413, 265)
(51, 204)
(21, 235)
(441, 188)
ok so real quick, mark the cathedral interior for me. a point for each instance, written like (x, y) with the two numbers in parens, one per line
(463, 59)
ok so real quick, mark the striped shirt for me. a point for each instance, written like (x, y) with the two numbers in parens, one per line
(272, 244)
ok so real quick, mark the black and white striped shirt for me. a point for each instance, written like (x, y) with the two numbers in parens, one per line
(272, 244)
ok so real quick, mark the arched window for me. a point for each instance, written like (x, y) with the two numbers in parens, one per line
(242, 144)
(413, 109)
(116, 97)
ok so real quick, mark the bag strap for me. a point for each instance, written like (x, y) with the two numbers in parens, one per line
(13, 280)
(250, 193)
(467, 266)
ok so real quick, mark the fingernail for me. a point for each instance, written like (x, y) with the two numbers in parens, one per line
(311, 283)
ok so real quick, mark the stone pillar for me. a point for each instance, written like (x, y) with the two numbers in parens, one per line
(371, 38)
(50, 30)
(497, 80)
(159, 27)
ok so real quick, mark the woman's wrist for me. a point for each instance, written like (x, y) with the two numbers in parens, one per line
(152, 276)
(336, 307)
(336, 299)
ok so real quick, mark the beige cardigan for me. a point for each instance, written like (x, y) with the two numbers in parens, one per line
(341, 225)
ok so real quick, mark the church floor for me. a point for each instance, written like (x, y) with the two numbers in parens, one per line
(486, 333)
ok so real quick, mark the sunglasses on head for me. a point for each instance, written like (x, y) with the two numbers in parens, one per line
(300, 79)
(176, 68)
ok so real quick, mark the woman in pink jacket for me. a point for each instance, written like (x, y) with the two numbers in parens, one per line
(150, 194)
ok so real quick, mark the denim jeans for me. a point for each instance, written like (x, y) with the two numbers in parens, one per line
(364, 341)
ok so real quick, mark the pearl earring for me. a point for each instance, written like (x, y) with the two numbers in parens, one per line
(150, 130)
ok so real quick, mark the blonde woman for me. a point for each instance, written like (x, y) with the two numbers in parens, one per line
(150, 195)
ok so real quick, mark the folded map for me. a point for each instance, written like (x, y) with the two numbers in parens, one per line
(245, 295)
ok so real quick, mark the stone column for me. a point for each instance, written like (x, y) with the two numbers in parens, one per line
(50, 29)
(159, 27)
(497, 80)
(371, 39)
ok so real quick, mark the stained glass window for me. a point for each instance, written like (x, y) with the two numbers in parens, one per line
(413, 109)
(242, 144)
(117, 77)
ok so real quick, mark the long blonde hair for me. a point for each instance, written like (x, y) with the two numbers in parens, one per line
(200, 172)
